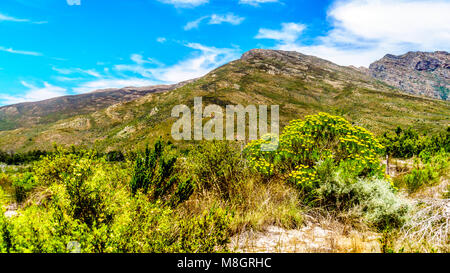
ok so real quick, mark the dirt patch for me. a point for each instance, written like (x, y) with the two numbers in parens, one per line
(313, 237)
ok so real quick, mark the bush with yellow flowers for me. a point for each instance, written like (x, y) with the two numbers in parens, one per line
(303, 143)
(262, 155)
(304, 175)
(335, 165)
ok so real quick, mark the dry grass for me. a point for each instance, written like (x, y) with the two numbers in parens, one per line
(255, 205)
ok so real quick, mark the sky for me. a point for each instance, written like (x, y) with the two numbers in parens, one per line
(51, 48)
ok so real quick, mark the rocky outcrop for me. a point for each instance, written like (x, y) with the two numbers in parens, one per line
(417, 73)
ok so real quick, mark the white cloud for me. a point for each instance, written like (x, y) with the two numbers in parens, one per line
(67, 79)
(22, 52)
(185, 3)
(195, 23)
(215, 19)
(364, 31)
(289, 33)
(138, 59)
(106, 80)
(394, 21)
(4, 17)
(74, 2)
(11, 19)
(144, 71)
(256, 2)
(34, 94)
(199, 65)
(161, 40)
(202, 61)
(67, 71)
(228, 18)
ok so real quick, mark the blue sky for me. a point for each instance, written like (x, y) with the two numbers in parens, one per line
(51, 48)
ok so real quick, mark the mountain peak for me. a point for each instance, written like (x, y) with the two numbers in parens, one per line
(271, 53)
(418, 73)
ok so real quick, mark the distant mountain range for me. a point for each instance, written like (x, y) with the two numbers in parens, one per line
(418, 73)
(32, 113)
(130, 117)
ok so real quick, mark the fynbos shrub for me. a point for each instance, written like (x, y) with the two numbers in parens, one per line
(155, 173)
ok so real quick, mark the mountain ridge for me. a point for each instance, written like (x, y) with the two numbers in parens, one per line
(31, 113)
(298, 83)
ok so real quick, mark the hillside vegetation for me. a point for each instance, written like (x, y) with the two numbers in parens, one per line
(360, 167)
(169, 198)
(300, 84)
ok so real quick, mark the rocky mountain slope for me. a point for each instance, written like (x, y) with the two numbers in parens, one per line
(298, 83)
(51, 110)
(418, 73)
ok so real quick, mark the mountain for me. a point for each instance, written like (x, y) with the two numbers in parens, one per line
(418, 73)
(51, 110)
(299, 84)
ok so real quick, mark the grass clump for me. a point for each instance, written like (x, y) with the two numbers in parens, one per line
(222, 177)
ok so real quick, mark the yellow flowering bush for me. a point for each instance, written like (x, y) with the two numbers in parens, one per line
(319, 137)
(304, 175)
(260, 159)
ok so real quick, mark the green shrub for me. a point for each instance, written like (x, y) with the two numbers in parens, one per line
(408, 143)
(138, 226)
(372, 199)
(319, 138)
(142, 226)
(217, 166)
(55, 166)
(155, 172)
(87, 200)
(115, 156)
(21, 158)
(427, 173)
(305, 142)
(377, 203)
(417, 178)
(205, 233)
(6, 184)
(5, 238)
(23, 184)
(334, 189)
(92, 205)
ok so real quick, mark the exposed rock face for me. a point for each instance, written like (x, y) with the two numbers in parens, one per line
(418, 73)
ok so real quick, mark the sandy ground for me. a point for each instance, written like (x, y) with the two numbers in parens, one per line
(311, 238)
